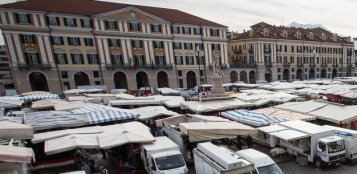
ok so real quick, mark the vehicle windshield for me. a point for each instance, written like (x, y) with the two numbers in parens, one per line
(336, 146)
(271, 169)
(169, 162)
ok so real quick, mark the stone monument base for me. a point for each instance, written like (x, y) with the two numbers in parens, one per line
(217, 89)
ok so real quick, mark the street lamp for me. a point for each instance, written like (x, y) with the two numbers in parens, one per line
(199, 54)
(313, 61)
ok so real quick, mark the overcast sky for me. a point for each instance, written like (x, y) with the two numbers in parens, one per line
(336, 15)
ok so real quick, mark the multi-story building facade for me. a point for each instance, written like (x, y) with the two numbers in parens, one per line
(269, 52)
(4, 62)
(56, 45)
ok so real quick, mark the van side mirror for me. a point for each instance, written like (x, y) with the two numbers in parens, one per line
(153, 168)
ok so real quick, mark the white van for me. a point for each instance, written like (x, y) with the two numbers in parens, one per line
(262, 163)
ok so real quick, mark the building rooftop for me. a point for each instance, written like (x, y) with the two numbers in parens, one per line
(90, 7)
(277, 32)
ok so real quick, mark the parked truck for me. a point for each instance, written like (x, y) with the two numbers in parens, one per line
(308, 142)
(350, 137)
(163, 156)
(212, 159)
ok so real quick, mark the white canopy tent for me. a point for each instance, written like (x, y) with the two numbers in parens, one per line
(70, 142)
(336, 113)
(130, 101)
(16, 154)
(217, 105)
(71, 105)
(152, 111)
(6, 102)
(46, 103)
(302, 107)
(181, 118)
(202, 131)
(15, 130)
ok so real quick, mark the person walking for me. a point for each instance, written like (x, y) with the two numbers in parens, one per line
(249, 141)
(103, 170)
(239, 144)
(103, 154)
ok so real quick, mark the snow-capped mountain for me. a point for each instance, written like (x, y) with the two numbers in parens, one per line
(297, 25)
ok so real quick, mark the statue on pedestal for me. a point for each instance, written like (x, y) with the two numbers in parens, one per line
(216, 66)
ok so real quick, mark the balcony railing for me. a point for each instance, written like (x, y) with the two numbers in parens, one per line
(299, 51)
(300, 64)
(312, 65)
(267, 50)
(114, 66)
(243, 65)
(324, 64)
(250, 50)
(335, 65)
(33, 66)
(268, 64)
(286, 64)
(349, 64)
(222, 66)
(349, 53)
(4, 68)
(237, 51)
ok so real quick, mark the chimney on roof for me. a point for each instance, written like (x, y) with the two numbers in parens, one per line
(243, 30)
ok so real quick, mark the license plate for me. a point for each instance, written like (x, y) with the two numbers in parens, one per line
(337, 164)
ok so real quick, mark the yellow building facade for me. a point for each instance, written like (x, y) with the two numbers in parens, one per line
(69, 46)
(268, 52)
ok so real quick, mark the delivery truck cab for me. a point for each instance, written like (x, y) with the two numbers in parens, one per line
(263, 164)
(163, 157)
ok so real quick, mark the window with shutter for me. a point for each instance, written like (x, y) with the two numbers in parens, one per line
(186, 30)
(92, 58)
(116, 59)
(70, 22)
(214, 32)
(53, 20)
(134, 27)
(77, 59)
(197, 31)
(177, 45)
(86, 23)
(61, 58)
(111, 25)
(56, 40)
(156, 28)
(160, 60)
(175, 29)
(23, 18)
(158, 44)
(73, 41)
(189, 60)
(32, 58)
(113, 42)
(88, 42)
(28, 39)
(136, 43)
(178, 60)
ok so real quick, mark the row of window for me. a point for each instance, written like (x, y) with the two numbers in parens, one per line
(299, 49)
(61, 58)
(188, 46)
(189, 60)
(64, 75)
(305, 60)
(112, 25)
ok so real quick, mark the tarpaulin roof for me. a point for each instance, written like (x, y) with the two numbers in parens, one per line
(276, 100)
(201, 131)
(283, 114)
(35, 92)
(302, 107)
(16, 154)
(100, 114)
(41, 97)
(71, 105)
(352, 94)
(15, 130)
(124, 136)
(40, 137)
(168, 91)
(12, 119)
(152, 111)
(134, 101)
(305, 127)
(70, 142)
(254, 97)
(272, 128)
(217, 105)
(10, 102)
(54, 119)
(252, 118)
(336, 113)
(289, 135)
(46, 103)
(177, 119)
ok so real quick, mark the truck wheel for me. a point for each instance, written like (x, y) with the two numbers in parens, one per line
(317, 163)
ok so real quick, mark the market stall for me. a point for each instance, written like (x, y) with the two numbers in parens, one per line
(46, 103)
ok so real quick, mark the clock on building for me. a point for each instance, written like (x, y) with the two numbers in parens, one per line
(132, 14)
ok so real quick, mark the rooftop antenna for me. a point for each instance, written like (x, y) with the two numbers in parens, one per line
(282, 21)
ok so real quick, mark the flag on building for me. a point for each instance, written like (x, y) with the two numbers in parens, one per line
(153, 66)
(132, 63)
